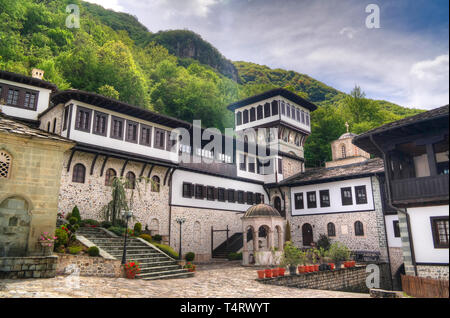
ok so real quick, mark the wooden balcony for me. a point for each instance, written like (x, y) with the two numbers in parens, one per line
(420, 190)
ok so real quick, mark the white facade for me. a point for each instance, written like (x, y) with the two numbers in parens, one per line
(393, 241)
(43, 100)
(421, 229)
(334, 196)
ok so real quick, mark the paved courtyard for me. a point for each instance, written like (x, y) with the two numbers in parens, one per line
(212, 280)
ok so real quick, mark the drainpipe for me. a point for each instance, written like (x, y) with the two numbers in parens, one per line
(389, 202)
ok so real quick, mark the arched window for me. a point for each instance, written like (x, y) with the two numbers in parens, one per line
(156, 184)
(297, 140)
(79, 173)
(359, 228)
(238, 118)
(344, 153)
(331, 229)
(109, 177)
(131, 180)
(5, 164)
(48, 126)
(54, 125)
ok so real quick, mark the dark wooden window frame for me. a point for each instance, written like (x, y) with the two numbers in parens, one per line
(274, 106)
(238, 118)
(359, 228)
(252, 114)
(259, 112)
(396, 226)
(345, 200)
(118, 119)
(241, 198)
(210, 193)
(199, 191)
(362, 200)
(311, 204)
(245, 116)
(331, 229)
(324, 203)
(435, 232)
(79, 176)
(21, 97)
(250, 198)
(94, 126)
(283, 108)
(267, 110)
(143, 129)
(231, 195)
(130, 176)
(66, 117)
(78, 120)
(221, 194)
(156, 144)
(129, 138)
(186, 193)
(109, 177)
(299, 201)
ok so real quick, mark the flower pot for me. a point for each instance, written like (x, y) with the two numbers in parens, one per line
(261, 274)
(331, 265)
(338, 265)
(281, 271)
(131, 274)
(316, 268)
(191, 270)
(275, 272)
(353, 263)
(268, 273)
(301, 269)
(292, 270)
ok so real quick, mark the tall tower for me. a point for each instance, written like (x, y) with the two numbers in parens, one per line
(280, 119)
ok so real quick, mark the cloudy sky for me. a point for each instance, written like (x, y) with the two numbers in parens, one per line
(405, 61)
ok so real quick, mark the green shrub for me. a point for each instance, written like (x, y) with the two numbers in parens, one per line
(338, 252)
(234, 256)
(189, 256)
(93, 251)
(146, 237)
(61, 237)
(138, 228)
(106, 224)
(157, 238)
(76, 213)
(73, 220)
(323, 242)
(75, 249)
(167, 249)
(90, 222)
(117, 230)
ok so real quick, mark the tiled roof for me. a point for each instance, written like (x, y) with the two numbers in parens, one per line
(320, 175)
(19, 78)
(12, 126)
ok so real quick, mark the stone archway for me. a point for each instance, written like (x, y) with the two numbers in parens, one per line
(15, 222)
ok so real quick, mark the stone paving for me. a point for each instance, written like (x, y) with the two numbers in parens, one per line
(211, 280)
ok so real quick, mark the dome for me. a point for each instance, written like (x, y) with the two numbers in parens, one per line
(348, 135)
(258, 210)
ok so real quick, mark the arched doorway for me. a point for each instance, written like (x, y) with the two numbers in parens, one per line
(307, 234)
(15, 224)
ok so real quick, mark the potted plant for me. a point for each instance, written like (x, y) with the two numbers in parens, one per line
(268, 273)
(274, 272)
(291, 257)
(281, 271)
(339, 253)
(190, 267)
(47, 242)
(260, 274)
(131, 269)
(302, 267)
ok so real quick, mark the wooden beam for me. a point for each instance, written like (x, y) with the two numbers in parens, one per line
(123, 167)
(150, 171)
(142, 170)
(167, 173)
(93, 163)
(431, 160)
(103, 165)
(70, 160)
(170, 177)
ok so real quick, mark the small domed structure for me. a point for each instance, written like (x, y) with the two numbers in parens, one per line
(261, 210)
(348, 135)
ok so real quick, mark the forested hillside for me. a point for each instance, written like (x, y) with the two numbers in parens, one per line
(172, 72)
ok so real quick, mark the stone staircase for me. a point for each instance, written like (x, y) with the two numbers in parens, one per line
(153, 263)
(234, 244)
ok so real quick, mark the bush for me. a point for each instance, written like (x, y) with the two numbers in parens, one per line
(61, 237)
(234, 256)
(117, 230)
(93, 251)
(90, 222)
(106, 224)
(75, 249)
(146, 237)
(167, 249)
(73, 220)
(157, 238)
(189, 256)
(138, 228)
(323, 242)
(338, 252)
(76, 213)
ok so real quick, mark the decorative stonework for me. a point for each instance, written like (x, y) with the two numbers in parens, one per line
(291, 167)
(433, 271)
(88, 266)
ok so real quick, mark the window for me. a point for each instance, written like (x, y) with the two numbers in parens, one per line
(210, 193)
(156, 184)
(331, 229)
(283, 110)
(439, 228)
(302, 115)
(238, 118)
(198, 191)
(266, 110)
(293, 112)
(160, 136)
(288, 110)
(132, 131)
(311, 197)
(252, 114)
(187, 190)
(280, 165)
(131, 180)
(221, 194)
(250, 198)
(259, 112)
(307, 119)
(13, 97)
(442, 168)
(298, 115)
(258, 198)
(83, 119)
(361, 195)
(146, 135)
(245, 119)
(5, 164)
(241, 197)
(30, 100)
(109, 177)
(54, 125)
(251, 164)
(298, 199)
(346, 196)
(171, 142)
(324, 198)
(359, 228)
(230, 195)
(274, 108)
(117, 127)
(66, 117)
(100, 123)
(243, 162)
(79, 172)
(396, 226)
(343, 151)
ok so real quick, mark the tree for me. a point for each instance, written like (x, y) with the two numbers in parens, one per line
(108, 91)
(287, 233)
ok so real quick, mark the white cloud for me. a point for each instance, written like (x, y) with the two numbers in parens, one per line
(108, 4)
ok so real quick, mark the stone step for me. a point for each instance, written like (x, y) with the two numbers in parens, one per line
(166, 275)
(140, 256)
(150, 269)
(132, 250)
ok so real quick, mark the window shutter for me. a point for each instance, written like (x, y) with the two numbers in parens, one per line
(235, 195)
(254, 198)
(192, 190)
(205, 194)
(216, 193)
(245, 197)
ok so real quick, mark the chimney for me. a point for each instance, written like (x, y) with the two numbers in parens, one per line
(37, 73)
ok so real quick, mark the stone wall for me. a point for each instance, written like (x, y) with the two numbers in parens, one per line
(291, 167)
(433, 271)
(49, 117)
(88, 266)
(28, 267)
